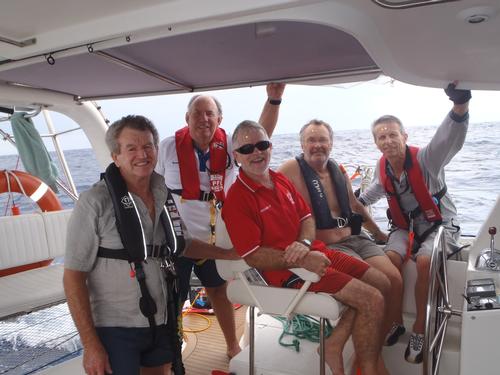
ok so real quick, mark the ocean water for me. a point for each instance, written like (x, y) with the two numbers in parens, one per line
(473, 176)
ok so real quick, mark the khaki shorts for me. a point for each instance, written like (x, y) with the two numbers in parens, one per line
(360, 246)
(398, 241)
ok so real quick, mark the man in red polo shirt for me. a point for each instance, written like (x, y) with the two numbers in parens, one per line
(271, 227)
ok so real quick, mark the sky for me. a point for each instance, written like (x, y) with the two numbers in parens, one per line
(351, 106)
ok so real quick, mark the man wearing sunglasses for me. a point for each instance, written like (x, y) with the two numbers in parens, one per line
(338, 215)
(271, 227)
(198, 168)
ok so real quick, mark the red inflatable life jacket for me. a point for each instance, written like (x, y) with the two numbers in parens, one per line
(426, 203)
(189, 170)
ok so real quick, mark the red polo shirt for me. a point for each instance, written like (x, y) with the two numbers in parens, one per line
(257, 216)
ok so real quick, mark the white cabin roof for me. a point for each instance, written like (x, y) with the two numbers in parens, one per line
(119, 48)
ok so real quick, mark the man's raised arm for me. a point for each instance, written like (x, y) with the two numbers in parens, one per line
(269, 117)
(460, 98)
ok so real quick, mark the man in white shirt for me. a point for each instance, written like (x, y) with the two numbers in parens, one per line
(198, 168)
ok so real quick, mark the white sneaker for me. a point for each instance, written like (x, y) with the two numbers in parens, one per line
(413, 353)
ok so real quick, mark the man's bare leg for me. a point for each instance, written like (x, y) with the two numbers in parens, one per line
(397, 299)
(421, 290)
(379, 280)
(224, 312)
(368, 304)
(334, 345)
(394, 295)
(160, 370)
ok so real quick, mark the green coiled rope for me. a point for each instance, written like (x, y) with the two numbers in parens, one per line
(302, 327)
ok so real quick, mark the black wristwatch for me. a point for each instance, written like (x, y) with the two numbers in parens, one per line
(306, 242)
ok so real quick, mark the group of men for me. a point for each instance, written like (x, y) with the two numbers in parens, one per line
(304, 215)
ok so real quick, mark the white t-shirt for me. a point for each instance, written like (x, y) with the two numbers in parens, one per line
(194, 213)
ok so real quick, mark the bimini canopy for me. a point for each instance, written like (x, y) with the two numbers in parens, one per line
(225, 57)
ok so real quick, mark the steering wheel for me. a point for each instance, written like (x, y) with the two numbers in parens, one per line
(439, 310)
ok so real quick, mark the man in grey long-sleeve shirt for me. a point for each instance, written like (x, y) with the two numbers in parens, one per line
(413, 181)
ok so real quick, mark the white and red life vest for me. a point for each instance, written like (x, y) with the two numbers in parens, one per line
(189, 170)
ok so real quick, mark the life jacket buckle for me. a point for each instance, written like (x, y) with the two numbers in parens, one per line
(155, 251)
(168, 267)
(218, 204)
(206, 196)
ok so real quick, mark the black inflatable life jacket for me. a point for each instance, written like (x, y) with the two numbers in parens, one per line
(319, 203)
(129, 226)
(136, 251)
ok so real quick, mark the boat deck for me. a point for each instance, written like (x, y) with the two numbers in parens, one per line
(206, 350)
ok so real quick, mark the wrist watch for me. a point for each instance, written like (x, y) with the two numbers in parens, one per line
(306, 242)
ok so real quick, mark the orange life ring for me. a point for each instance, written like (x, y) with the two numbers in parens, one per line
(34, 188)
(38, 191)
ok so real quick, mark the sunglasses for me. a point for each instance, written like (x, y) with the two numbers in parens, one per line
(249, 148)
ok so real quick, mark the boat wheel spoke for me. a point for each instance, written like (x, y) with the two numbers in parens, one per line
(438, 309)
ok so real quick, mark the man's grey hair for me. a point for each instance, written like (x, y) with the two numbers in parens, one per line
(245, 126)
(217, 103)
(387, 119)
(316, 122)
(132, 122)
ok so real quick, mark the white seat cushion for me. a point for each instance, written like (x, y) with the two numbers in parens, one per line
(23, 240)
(56, 224)
(27, 239)
(29, 290)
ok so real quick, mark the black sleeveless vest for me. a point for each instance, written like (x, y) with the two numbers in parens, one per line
(322, 214)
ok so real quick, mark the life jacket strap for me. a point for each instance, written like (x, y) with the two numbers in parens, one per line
(419, 239)
(440, 194)
(205, 196)
(147, 304)
(153, 251)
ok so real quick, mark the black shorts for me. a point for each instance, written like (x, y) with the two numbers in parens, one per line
(129, 349)
(206, 273)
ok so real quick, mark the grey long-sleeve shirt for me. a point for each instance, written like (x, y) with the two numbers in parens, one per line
(446, 142)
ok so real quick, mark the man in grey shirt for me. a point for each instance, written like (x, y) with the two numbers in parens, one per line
(102, 293)
(413, 181)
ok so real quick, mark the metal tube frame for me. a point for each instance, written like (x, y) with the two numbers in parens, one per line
(251, 359)
(60, 153)
(439, 309)
(73, 196)
(322, 326)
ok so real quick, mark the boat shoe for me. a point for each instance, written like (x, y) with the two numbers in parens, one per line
(394, 333)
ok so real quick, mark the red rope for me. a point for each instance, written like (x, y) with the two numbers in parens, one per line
(10, 194)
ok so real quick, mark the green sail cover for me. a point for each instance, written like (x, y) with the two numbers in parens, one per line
(32, 150)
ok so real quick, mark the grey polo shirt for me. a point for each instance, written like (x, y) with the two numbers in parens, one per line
(114, 295)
